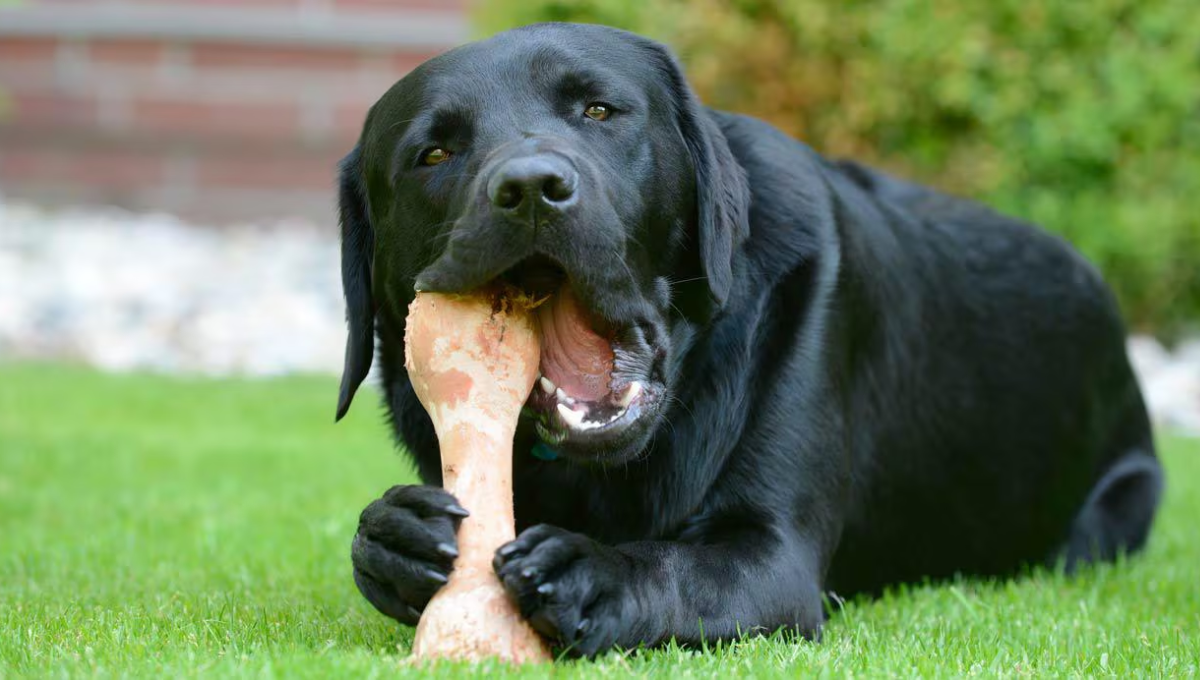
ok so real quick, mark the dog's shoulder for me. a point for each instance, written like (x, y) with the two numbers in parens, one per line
(758, 145)
(917, 199)
(791, 211)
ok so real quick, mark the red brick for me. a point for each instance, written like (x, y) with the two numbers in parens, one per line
(267, 171)
(104, 168)
(403, 62)
(224, 55)
(209, 119)
(127, 52)
(348, 119)
(193, 3)
(26, 66)
(116, 168)
(25, 164)
(400, 6)
(126, 65)
(209, 3)
(27, 49)
(51, 110)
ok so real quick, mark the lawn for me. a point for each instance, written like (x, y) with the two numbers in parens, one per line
(165, 527)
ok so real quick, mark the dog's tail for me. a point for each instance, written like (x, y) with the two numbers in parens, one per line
(1118, 513)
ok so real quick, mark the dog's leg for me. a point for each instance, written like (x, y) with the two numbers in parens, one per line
(590, 597)
(1117, 515)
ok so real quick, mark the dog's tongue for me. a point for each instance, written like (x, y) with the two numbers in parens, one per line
(574, 357)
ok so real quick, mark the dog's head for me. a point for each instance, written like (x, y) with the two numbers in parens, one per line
(574, 162)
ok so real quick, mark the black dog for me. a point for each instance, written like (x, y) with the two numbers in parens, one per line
(767, 375)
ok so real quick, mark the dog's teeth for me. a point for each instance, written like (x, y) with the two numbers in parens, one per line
(572, 417)
(547, 385)
(563, 396)
(631, 393)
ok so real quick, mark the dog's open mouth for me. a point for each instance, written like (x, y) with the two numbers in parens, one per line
(578, 391)
(589, 388)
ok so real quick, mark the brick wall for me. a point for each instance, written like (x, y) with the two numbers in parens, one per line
(219, 110)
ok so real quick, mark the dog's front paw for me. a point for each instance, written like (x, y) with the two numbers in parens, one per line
(570, 588)
(405, 548)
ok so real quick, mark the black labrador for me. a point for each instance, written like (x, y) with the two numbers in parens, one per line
(766, 375)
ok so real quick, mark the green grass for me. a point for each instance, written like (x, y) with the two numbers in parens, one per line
(160, 527)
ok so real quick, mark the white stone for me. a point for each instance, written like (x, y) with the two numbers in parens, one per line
(124, 291)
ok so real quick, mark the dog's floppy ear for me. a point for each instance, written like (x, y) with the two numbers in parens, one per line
(358, 247)
(722, 192)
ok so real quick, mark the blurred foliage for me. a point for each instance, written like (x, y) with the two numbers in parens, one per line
(1081, 116)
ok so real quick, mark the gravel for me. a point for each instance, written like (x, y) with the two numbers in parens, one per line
(122, 291)
(1170, 381)
(127, 291)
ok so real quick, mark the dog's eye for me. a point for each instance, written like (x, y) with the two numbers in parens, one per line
(434, 156)
(598, 111)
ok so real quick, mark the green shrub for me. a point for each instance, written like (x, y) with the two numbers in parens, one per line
(1081, 116)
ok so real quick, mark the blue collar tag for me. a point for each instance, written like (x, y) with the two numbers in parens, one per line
(543, 452)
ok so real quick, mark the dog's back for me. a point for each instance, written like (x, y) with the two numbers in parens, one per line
(1000, 421)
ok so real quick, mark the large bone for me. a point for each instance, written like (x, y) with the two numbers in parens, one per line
(473, 361)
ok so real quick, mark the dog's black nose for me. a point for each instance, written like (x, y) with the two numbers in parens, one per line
(541, 181)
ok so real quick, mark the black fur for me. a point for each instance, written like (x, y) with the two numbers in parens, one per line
(358, 244)
(853, 381)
